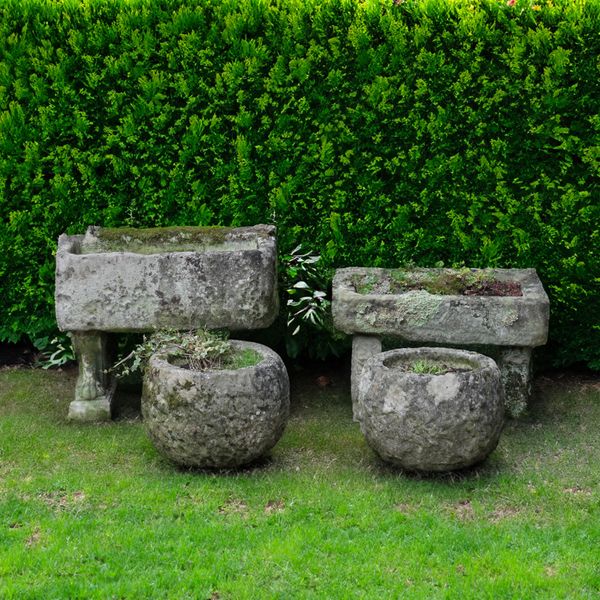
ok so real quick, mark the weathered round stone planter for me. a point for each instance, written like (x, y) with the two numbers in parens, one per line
(431, 422)
(216, 418)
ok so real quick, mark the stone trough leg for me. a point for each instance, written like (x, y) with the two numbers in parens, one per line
(363, 348)
(515, 370)
(95, 387)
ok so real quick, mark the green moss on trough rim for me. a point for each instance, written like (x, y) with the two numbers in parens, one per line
(437, 282)
(159, 235)
(156, 240)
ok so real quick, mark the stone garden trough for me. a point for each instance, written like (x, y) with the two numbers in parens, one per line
(137, 280)
(428, 307)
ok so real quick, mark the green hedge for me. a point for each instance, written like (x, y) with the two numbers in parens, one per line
(377, 133)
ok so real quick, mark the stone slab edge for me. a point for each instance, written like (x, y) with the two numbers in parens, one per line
(419, 316)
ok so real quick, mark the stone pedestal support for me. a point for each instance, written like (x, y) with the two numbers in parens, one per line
(363, 348)
(95, 387)
(515, 370)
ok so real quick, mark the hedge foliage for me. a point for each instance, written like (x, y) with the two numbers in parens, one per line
(376, 133)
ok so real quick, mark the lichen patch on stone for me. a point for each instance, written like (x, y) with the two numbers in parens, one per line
(417, 308)
(443, 387)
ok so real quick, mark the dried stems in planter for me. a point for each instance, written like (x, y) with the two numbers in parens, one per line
(197, 349)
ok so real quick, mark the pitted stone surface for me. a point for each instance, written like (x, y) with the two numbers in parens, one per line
(225, 281)
(220, 418)
(363, 348)
(431, 422)
(515, 367)
(418, 316)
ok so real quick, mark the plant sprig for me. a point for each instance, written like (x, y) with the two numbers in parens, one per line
(201, 349)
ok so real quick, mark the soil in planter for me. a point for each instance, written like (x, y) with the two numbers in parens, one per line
(494, 288)
(443, 282)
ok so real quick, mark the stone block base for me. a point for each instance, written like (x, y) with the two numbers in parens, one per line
(90, 410)
(515, 370)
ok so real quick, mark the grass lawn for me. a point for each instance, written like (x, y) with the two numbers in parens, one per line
(91, 511)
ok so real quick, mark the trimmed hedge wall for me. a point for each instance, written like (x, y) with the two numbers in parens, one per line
(376, 133)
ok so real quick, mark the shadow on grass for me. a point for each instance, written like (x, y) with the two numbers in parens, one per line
(262, 464)
(483, 471)
(322, 437)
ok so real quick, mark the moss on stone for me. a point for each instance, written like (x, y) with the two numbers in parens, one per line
(174, 400)
(234, 359)
(439, 282)
(240, 359)
(365, 284)
(161, 235)
(169, 239)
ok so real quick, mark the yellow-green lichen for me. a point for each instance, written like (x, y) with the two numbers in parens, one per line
(511, 317)
(412, 309)
(418, 308)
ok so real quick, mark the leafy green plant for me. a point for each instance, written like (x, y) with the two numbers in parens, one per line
(309, 325)
(306, 302)
(54, 352)
(425, 367)
(198, 349)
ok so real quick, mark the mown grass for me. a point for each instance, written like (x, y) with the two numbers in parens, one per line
(93, 511)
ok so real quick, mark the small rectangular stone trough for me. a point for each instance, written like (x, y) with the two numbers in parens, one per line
(503, 311)
(136, 280)
(173, 277)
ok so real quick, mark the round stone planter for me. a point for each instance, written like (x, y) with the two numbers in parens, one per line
(431, 422)
(216, 418)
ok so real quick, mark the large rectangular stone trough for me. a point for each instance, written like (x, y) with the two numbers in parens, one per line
(128, 280)
(413, 307)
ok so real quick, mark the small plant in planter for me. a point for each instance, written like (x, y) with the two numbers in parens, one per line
(209, 402)
(198, 349)
(427, 368)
